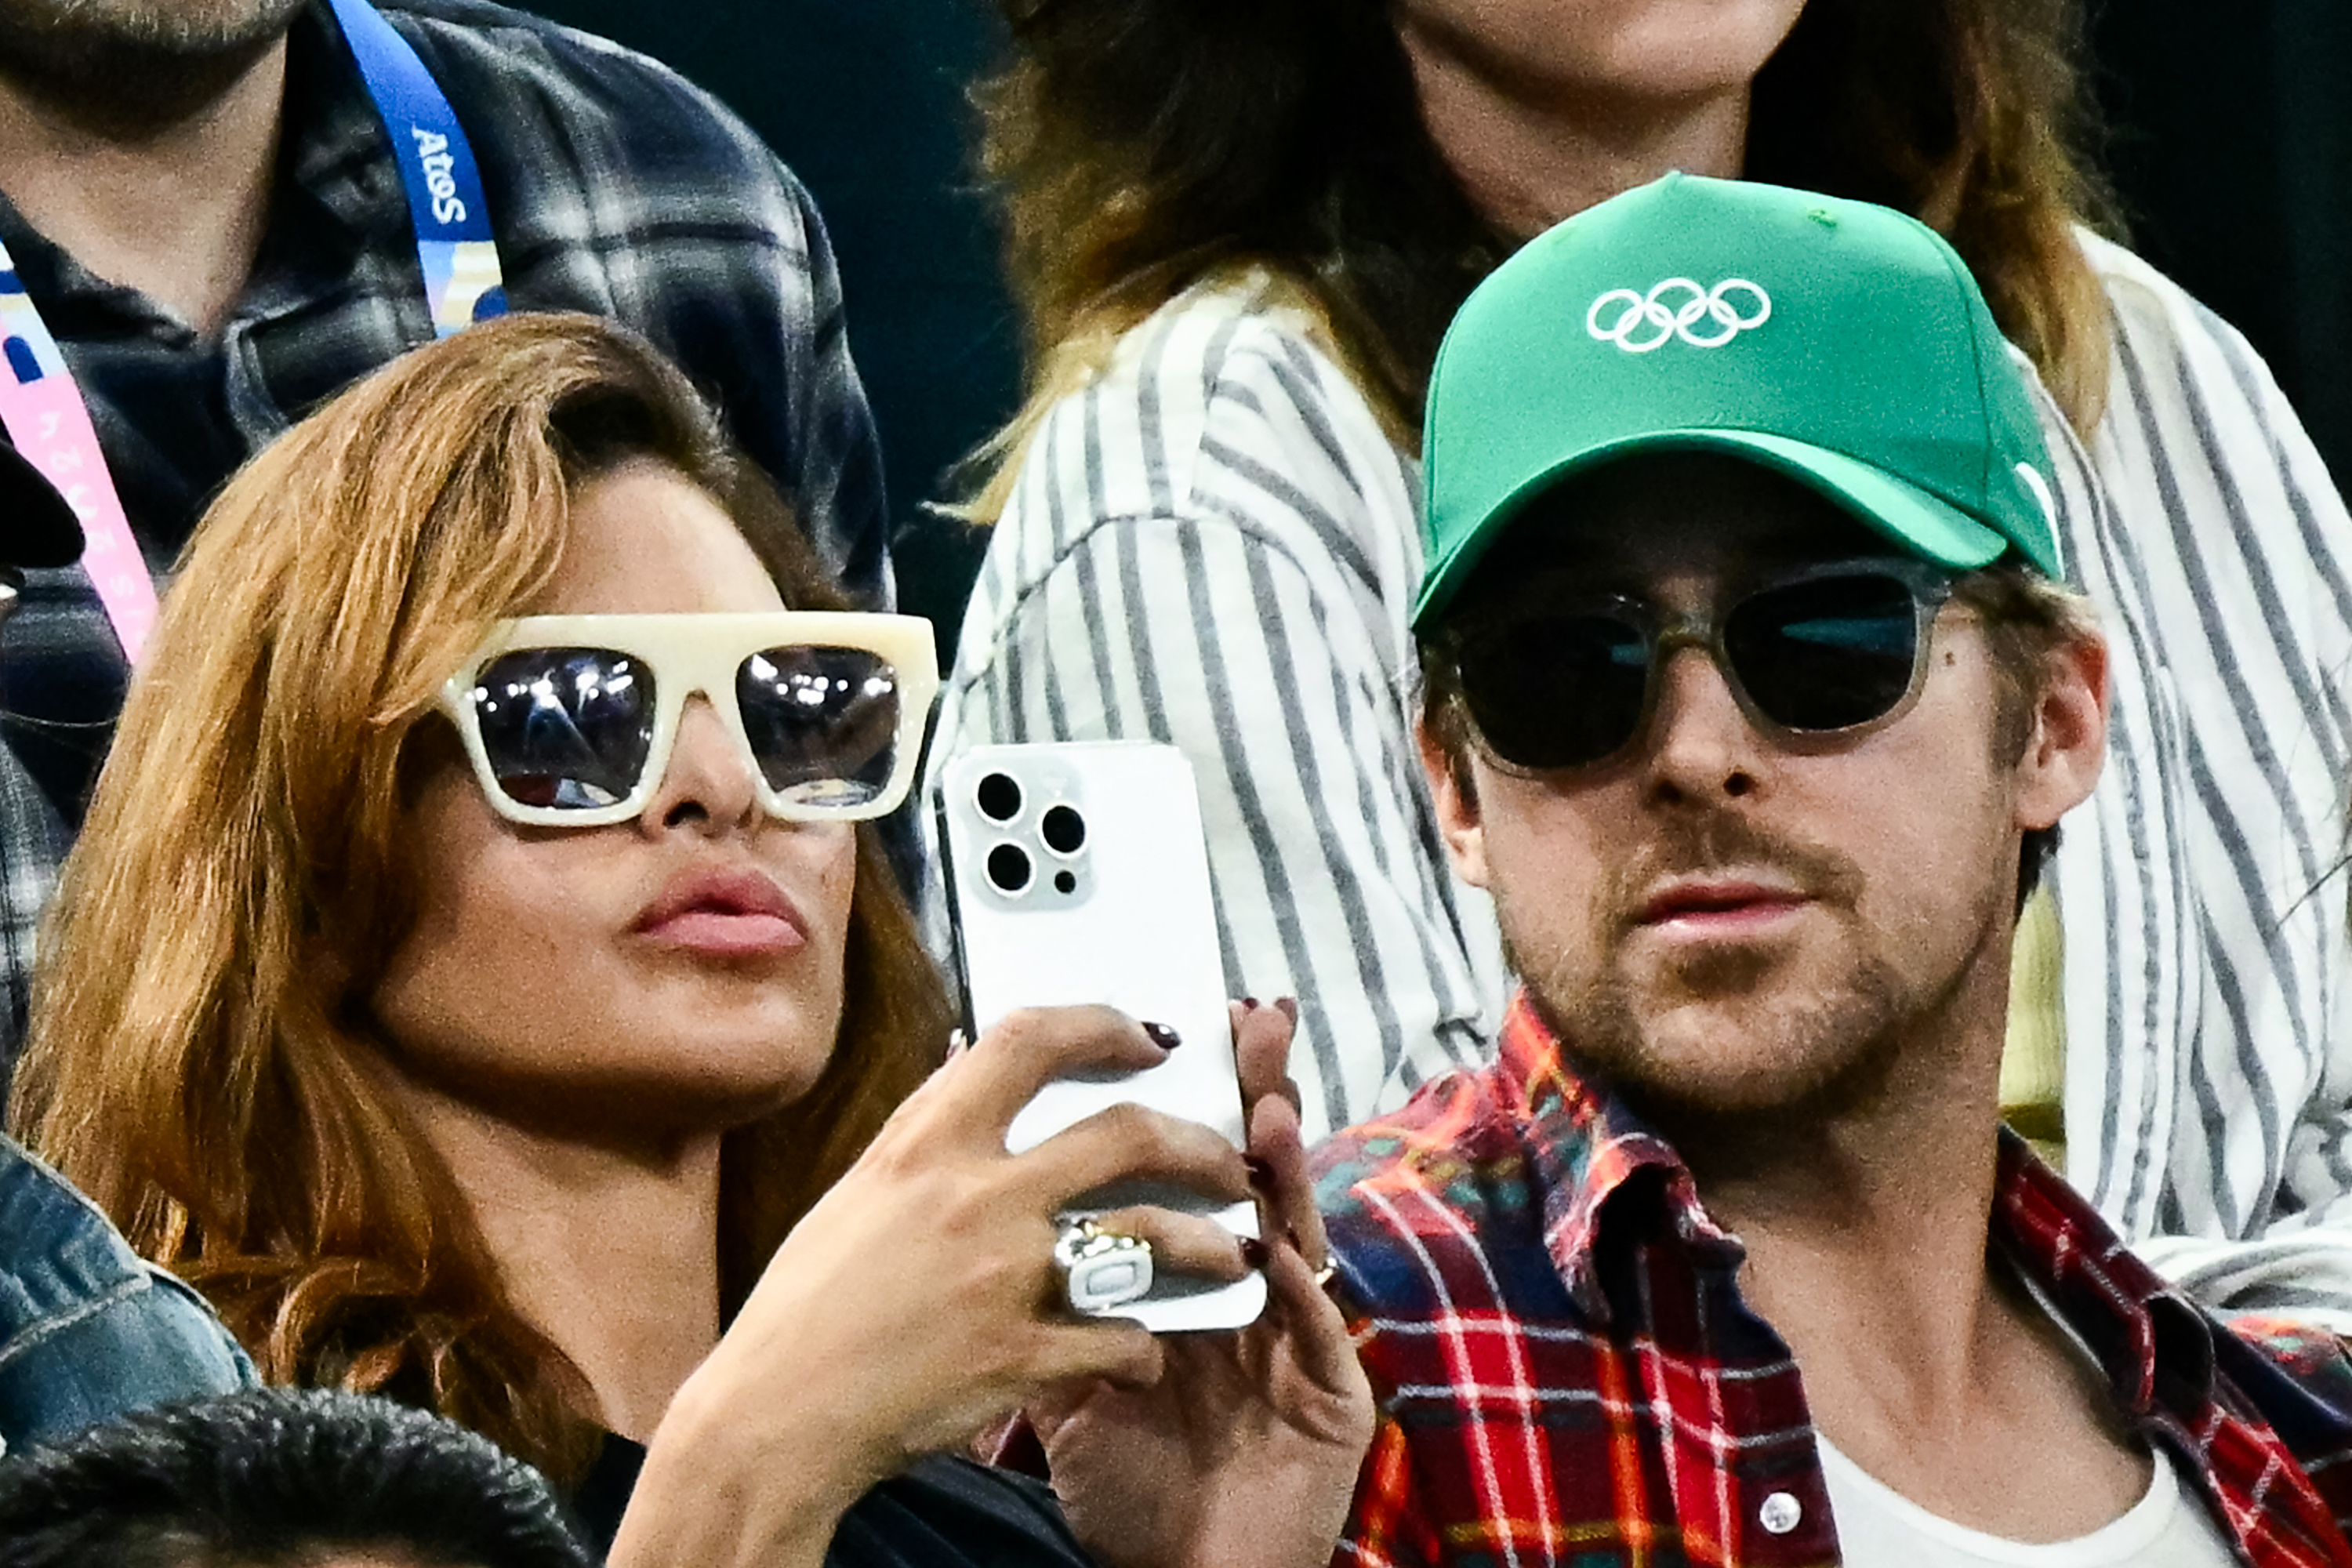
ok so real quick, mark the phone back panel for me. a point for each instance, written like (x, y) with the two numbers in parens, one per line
(1086, 881)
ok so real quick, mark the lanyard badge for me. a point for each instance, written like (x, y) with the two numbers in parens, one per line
(454, 247)
(50, 423)
(48, 417)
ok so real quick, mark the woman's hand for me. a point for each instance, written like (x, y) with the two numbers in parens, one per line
(920, 1301)
(1245, 1451)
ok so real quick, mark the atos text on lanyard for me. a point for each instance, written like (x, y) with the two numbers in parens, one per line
(44, 410)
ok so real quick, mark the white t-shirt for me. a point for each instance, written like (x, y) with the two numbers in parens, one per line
(1878, 1526)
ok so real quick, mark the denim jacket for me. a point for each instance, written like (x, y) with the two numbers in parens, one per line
(87, 1331)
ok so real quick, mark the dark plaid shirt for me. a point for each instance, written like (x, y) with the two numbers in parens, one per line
(1567, 1372)
(614, 187)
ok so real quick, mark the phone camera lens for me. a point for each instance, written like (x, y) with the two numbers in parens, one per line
(1064, 831)
(1008, 867)
(1000, 799)
(1065, 883)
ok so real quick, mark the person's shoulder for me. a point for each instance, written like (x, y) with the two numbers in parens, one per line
(1258, 341)
(58, 1252)
(1224, 403)
(2314, 1357)
(1433, 1194)
(62, 1260)
(1231, 352)
(2121, 271)
(2298, 1378)
(87, 1329)
(2155, 313)
(487, 26)
(502, 66)
(481, 28)
(2207, 405)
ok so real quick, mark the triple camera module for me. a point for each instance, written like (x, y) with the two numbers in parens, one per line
(1046, 848)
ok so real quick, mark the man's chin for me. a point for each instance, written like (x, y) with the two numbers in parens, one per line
(1778, 1093)
(139, 63)
(1732, 1038)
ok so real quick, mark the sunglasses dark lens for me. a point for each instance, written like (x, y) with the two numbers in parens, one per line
(1557, 691)
(1825, 654)
(823, 722)
(566, 729)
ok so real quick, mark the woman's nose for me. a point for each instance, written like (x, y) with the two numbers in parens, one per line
(707, 781)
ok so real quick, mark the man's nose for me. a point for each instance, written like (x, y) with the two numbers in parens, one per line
(1700, 743)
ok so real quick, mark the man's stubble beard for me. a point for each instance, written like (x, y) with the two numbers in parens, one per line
(131, 65)
(1836, 1048)
(1818, 1054)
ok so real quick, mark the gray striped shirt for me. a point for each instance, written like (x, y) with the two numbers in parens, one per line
(2209, 1063)
(1214, 544)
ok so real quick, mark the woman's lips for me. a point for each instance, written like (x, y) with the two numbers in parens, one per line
(722, 914)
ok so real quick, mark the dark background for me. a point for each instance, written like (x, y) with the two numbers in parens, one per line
(2229, 139)
(866, 101)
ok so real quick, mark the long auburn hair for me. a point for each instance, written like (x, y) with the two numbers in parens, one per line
(1143, 145)
(202, 1061)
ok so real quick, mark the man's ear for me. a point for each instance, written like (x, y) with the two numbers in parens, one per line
(1452, 786)
(2069, 741)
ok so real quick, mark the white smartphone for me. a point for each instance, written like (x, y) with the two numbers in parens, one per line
(1077, 874)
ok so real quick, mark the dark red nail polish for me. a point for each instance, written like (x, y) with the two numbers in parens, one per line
(1166, 1038)
(1249, 1004)
(1253, 1252)
(1289, 1008)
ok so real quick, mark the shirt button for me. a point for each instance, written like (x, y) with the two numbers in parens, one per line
(1780, 1513)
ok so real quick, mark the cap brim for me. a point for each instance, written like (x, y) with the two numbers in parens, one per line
(1922, 524)
(36, 527)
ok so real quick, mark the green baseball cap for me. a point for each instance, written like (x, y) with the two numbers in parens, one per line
(1841, 343)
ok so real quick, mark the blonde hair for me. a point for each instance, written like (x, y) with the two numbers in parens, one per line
(201, 1062)
(1143, 147)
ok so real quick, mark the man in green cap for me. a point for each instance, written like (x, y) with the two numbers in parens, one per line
(1754, 697)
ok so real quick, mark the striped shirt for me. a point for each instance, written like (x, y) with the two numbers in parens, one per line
(1567, 1372)
(1214, 544)
(614, 186)
(2208, 1049)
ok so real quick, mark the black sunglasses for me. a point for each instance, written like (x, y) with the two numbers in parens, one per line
(1821, 651)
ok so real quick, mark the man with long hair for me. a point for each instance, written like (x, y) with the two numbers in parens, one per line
(1238, 231)
(1752, 699)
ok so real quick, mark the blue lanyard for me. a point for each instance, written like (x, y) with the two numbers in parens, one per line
(454, 247)
(48, 419)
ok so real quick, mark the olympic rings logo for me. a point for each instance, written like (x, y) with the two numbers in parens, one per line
(1678, 308)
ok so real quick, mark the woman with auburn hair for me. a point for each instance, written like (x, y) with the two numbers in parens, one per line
(479, 975)
(1238, 232)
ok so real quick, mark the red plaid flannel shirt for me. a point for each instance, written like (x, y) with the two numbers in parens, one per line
(1567, 1372)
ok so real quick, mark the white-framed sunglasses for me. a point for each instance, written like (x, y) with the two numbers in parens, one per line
(569, 720)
